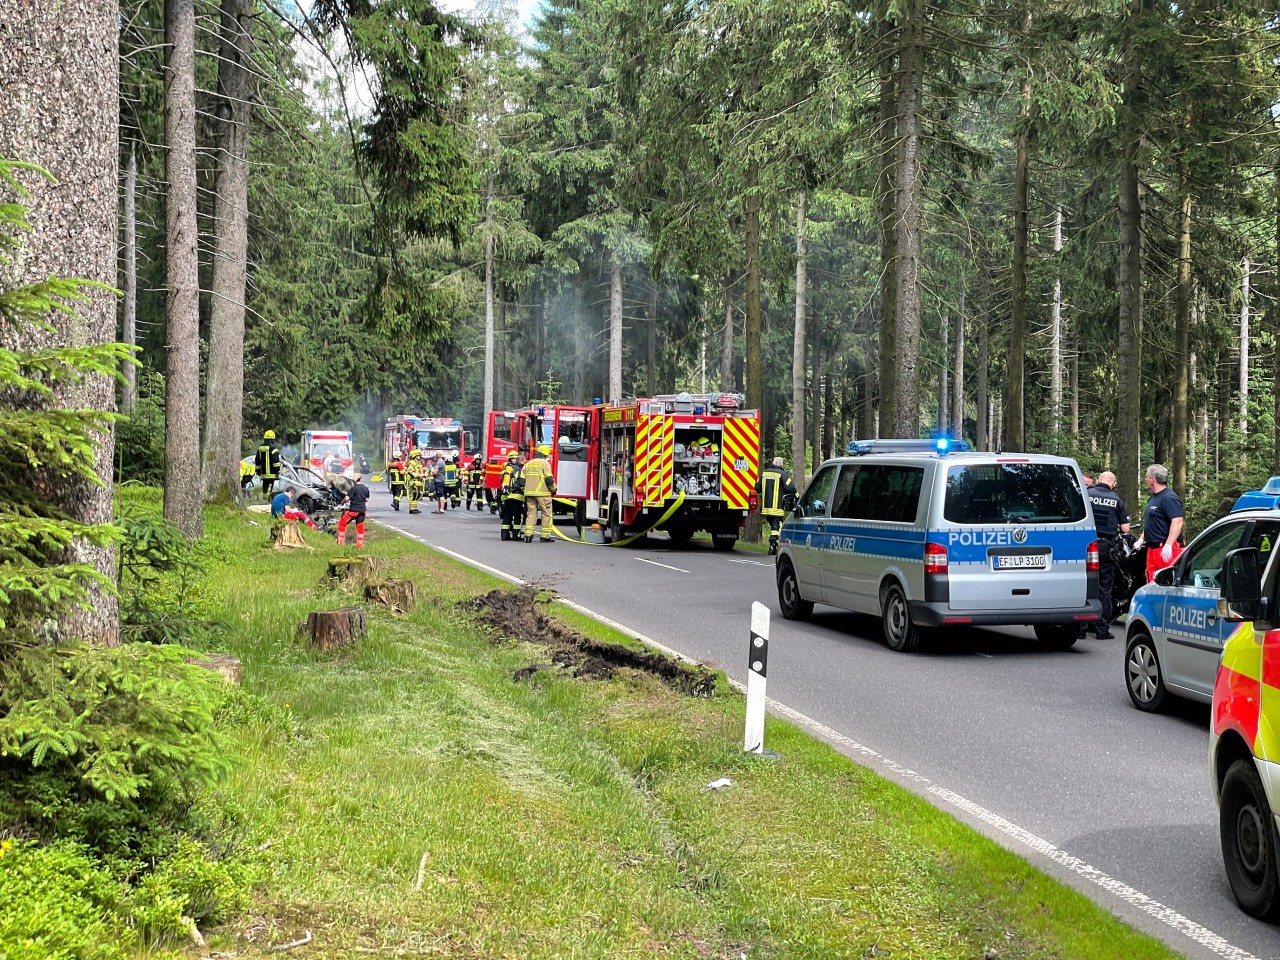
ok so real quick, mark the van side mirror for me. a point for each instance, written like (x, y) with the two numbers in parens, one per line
(1241, 586)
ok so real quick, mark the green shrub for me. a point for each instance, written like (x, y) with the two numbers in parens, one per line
(157, 570)
(58, 905)
(140, 434)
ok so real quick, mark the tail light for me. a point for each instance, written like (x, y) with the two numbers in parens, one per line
(935, 558)
(1091, 557)
(753, 502)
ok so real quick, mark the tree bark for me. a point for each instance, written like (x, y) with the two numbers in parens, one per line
(1182, 337)
(1129, 274)
(816, 364)
(982, 404)
(944, 377)
(329, 629)
(615, 330)
(886, 203)
(224, 400)
(129, 325)
(752, 325)
(957, 390)
(726, 343)
(906, 416)
(489, 331)
(182, 302)
(59, 101)
(1015, 426)
(1275, 328)
(1245, 268)
(652, 364)
(797, 347)
(1055, 331)
(502, 378)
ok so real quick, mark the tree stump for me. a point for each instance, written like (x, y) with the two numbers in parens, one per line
(330, 629)
(398, 596)
(352, 572)
(220, 663)
(287, 536)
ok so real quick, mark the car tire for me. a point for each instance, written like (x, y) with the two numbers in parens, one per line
(306, 505)
(790, 602)
(900, 631)
(1143, 676)
(1058, 636)
(724, 541)
(1250, 842)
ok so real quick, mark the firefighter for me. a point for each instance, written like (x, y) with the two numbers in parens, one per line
(475, 482)
(452, 477)
(414, 476)
(512, 492)
(539, 486)
(776, 493)
(266, 463)
(395, 470)
(247, 473)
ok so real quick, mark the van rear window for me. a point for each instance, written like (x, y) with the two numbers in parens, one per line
(1013, 493)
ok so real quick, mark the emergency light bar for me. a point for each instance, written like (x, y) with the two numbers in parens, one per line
(857, 448)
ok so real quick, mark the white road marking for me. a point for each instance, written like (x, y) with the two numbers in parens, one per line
(754, 562)
(657, 564)
(1166, 915)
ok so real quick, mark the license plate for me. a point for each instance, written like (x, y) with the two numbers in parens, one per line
(1021, 561)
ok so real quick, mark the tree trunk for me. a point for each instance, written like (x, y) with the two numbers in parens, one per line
(1182, 337)
(615, 330)
(828, 417)
(886, 202)
(1192, 376)
(957, 390)
(1055, 332)
(1129, 275)
(944, 376)
(815, 424)
(224, 399)
(1074, 374)
(490, 353)
(182, 302)
(726, 343)
(129, 332)
(1015, 426)
(59, 77)
(330, 629)
(501, 372)
(982, 404)
(1275, 380)
(797, 348)
(652, 364)
(906, 407)
(752, 326)
(1245, 267)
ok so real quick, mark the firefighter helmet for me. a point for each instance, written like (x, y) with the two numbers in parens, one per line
(544, 451)
(512, 454)
(269, 435)
(415, 454)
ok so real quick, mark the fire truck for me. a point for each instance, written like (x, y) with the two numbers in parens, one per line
(431, 435)
(321, 447)
(567, 430)
(645, 453)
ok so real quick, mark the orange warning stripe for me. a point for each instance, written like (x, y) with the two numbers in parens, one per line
(741, 460)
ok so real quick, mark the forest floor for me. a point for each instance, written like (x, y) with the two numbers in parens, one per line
(493, 775)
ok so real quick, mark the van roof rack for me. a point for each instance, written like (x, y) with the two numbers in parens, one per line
(940, 445)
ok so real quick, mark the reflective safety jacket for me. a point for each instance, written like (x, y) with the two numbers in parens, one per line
(396, 470)
(450, 473)
(246, 468)
(513, 481)
(475, 473)
(537, 478)
(266, 463)
(775, 486)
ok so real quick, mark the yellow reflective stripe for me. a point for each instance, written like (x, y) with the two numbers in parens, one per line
(670, 511)
(1242, 653)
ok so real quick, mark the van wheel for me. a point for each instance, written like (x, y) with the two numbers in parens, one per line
(1142, 674)
(1058, 636)
(615, 521)
(1249, 842)
(900, 633)
(793, 606)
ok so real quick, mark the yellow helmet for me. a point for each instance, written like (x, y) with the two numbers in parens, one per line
(512, 454)
(269, 435)
(544, 450)
(415, 454)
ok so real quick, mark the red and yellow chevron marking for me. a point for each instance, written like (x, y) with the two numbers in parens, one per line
(740, 467)
(1246, 693)
(642, 460)
(662, 450)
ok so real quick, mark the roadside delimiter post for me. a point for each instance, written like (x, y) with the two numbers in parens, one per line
(757, 669)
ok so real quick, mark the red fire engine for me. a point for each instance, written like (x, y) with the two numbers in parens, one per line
(567, 430)
(431, 435)
(646, 453)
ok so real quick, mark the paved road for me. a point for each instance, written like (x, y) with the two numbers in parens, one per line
(1041, 750)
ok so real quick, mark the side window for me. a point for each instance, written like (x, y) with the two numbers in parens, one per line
(902, 493)
(1263, 537)
(817, 498)
(1202, 564)
(844, 502)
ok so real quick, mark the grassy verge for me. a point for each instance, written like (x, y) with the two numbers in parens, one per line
(419, 801)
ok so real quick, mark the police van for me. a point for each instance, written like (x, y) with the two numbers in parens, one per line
(922, 535)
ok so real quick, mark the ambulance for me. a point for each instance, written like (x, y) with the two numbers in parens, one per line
(329, 449)
(1244, 742)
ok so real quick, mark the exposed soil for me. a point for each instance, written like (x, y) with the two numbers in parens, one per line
(519, 616)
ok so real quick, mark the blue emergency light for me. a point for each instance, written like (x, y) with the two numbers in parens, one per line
(939, 445)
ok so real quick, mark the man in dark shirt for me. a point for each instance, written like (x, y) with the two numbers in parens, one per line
(1111, 519)
(357, 504)
(1162, 522)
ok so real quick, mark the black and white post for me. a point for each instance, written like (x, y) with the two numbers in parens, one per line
(757, 670)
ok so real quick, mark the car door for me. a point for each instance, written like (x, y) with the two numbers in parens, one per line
(1192, 631)
(807, 534)
(839, 561)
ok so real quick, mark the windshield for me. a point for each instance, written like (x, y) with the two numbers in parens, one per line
(989, 493)
(441, 438)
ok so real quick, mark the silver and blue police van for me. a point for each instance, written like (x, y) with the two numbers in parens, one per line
(923, 534)
(1175, 632)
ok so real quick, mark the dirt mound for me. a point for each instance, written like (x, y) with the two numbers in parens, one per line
(518, 616)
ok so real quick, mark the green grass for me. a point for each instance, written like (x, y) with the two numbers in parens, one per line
(561, 818)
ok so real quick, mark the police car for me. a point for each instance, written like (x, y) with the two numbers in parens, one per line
(1175, 633)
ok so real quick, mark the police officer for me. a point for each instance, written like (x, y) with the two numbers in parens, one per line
(1111, 519)
(776, 490)
(266, 463)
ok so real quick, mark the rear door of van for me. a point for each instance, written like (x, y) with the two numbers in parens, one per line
(1017, 531)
